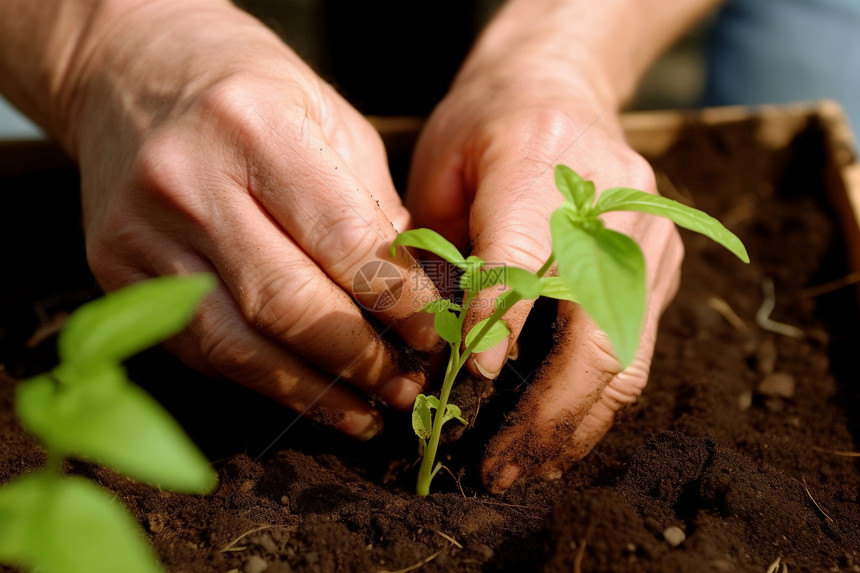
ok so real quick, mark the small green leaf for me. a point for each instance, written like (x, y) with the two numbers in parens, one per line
(623, 199)
(447, 320)
(526, 284)
(574, 188)
(521, 281)
(477, 277)
(497, 333)
(449, 326)
(54, 524)
(126, 321)
(114, 423)
(431, 241)
(607, 269)
(422, 419)
(452, 412)
(556, 287)
(480, 279)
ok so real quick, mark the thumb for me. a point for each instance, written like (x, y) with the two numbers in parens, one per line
(570, 406)
(510, 227)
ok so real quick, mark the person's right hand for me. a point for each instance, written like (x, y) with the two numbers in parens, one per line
(206, 144)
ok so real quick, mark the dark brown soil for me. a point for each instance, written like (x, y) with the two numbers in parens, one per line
(732, 442)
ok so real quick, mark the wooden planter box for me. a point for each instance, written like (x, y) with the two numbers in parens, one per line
(788, 130)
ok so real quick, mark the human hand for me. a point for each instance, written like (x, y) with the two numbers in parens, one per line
(483, 177)
(205, 144)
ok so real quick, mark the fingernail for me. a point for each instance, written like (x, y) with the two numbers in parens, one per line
(489, 362)
(419, 331)
(551, 473)
(400, 391)
(372, 428)
(506, 478)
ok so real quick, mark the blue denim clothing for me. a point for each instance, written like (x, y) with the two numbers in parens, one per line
(779, 51)
(13, 125)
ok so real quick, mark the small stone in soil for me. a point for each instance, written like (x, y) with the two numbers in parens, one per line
(745, 400)
(674, 535)
(255, 564)
(483, 551)
(155, 521)
(777, 385)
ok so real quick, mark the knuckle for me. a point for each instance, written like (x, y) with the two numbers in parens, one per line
(307, 322)
(160, 166)
(240, 107)
(600, 353)
(287, 307)
(343, 241)
(165, 178)
(625, 388)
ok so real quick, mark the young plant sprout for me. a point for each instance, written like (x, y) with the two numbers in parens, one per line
(601, 269)
(87, 408)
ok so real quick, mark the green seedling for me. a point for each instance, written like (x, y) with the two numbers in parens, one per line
(601, 269)
(86, 408)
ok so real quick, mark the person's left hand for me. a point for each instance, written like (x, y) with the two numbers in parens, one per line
(483, 177)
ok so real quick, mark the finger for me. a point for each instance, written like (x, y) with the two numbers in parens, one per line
(569, 383)
(278, 289)
(579, 391)
(438, 193)
(220, 339)
(624, 388)
(360, 146)
(340, 226)
(509, 226)
(497, 204)
(284, 295)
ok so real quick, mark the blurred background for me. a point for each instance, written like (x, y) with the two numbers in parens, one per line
(341, 37)
(386, 66)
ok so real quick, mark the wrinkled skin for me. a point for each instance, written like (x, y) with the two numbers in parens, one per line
(236, 159)
(483, 177)
(243, 163)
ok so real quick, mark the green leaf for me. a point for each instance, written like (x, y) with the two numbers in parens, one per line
(452, 412)
(449, 326)
(606, 269)
(124, 322)
(476, 277)
(447, 322)
(574, 188)
(521, 281)
(556, 287)
(431, 241)
(422, 420)
(114, 423)
(526, 284)
(497, 333)
(56, 524)
(623, 199)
